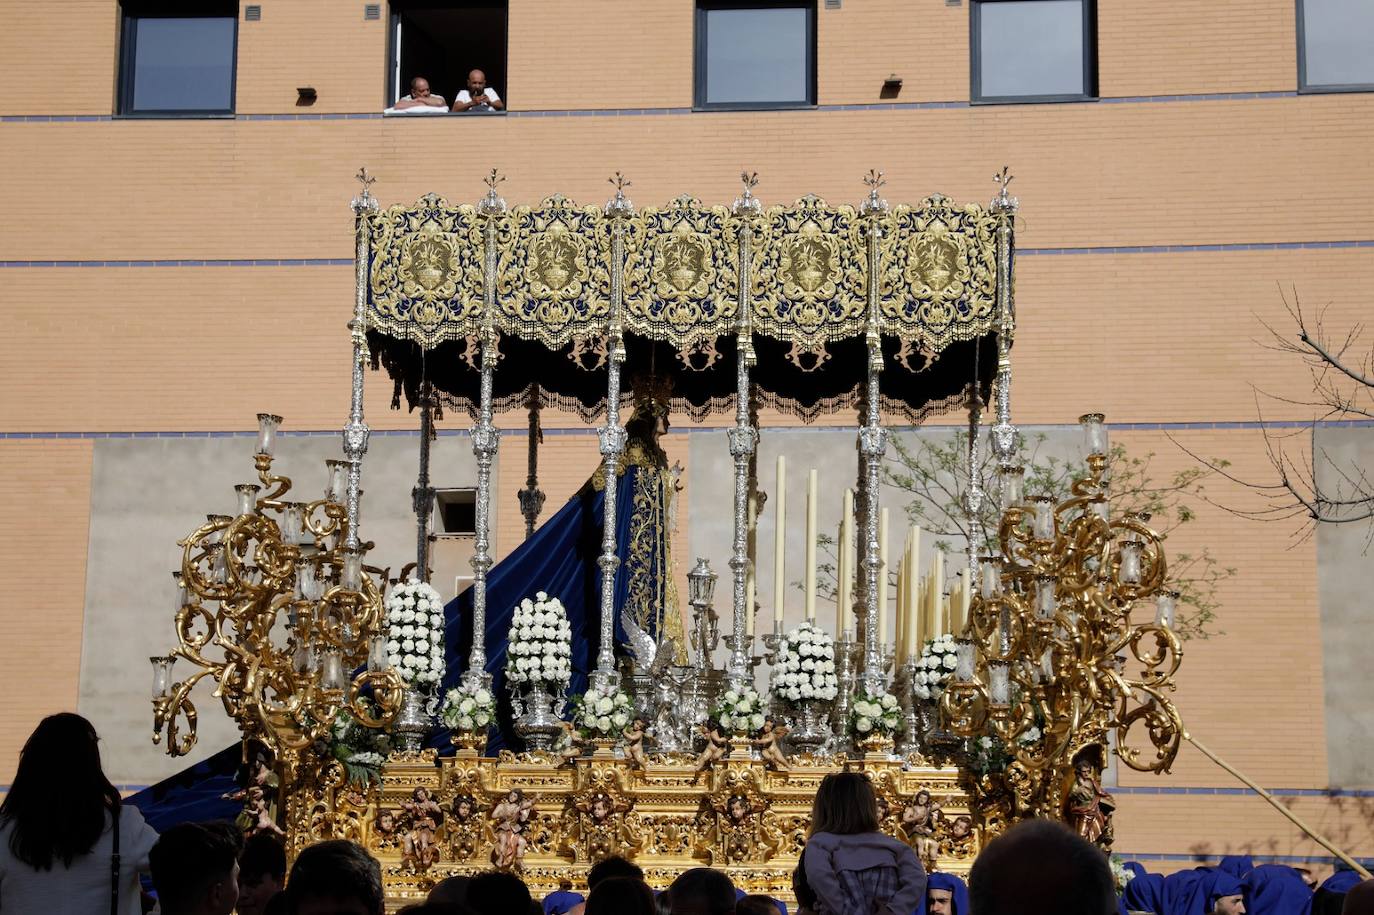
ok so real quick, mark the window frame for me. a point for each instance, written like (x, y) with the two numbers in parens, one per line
(392, 89)
(130, 13)
(1306, 88)
(699, 54)
(1090, 88)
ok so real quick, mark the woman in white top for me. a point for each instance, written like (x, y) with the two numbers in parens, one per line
(56, 844)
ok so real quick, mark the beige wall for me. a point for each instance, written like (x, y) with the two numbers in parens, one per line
(1163, 337)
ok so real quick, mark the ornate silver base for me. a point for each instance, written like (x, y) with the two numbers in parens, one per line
(538, 724)
(413, 723)
(807, 727)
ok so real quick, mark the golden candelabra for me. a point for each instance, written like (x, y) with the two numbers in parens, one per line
(1051, 661)
(275, 606)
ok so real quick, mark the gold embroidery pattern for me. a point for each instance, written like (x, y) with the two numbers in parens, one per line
(425, 271)
(681, 282)
(809, 274)
(554, 283)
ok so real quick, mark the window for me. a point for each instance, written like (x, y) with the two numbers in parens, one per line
(443, 42)
(1033, 51)
(178, 59)
(1335, 45)
(457, 512)
(755, 55)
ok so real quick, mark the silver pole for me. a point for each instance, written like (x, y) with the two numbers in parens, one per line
(611, 437)
(355, 432)
(873, 443)
(532, 497)
(424, 493)
(1004, 207)
(485, 436)
(743, 437)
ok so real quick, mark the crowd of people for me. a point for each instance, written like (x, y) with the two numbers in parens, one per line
(476, 96)
(68, 845)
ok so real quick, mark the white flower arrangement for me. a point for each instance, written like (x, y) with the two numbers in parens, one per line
(934, 668)
(468, 709)
(740, 710)
(540, 643)
(805, 667)
(603, 714)
(415, 634)
(1121, 874)
(872, 715)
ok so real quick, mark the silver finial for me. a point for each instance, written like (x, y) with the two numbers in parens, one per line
(1003, 202)
(493, 204)
(874, 204)
(746, 204)
(619, 205)
(364, 201)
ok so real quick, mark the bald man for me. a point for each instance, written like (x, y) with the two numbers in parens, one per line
(478, 96)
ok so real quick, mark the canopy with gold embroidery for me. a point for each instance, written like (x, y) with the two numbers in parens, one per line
(809, 267)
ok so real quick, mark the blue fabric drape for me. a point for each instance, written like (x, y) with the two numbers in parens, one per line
(1276, 889)
(561, 560)
(195, 794)
(1144, 893)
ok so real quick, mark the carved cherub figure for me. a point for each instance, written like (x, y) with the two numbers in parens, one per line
(769, 749)
(512, 818)
(634, 742)
(417, 844)
(716, 747)
(920, 817)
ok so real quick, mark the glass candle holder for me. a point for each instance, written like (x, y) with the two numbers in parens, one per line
(963, 661)
(1043, 523)
(337, 472)
(292, 521)
(216, 560)
(1094, 432)
(303, 659)
(1129, 572)
(990, 577)
(180, 595)
(267, 433)
(999, 683)
(1045, 602)
(1047, 665)
(332, 671)
(1165, 605)
(1102, 510)
(248, 497)
(1011, 484)
(352, 575)
(162, 675)
(308, 580)
(377, 654)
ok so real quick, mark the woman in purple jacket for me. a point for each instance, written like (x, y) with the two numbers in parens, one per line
(853, 868)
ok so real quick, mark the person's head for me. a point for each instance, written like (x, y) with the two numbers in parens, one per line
(420, 795)
(262, 872)
(419, 87)
(515, 796)
(923, 797)
(1359, 899)
(335, 878)
(757, 905)
(195, 868)
(477, 82)
(462, 806)
(1230, 904)
(1084, 768)
(845, 804)
(701, 891)
(615, 895)
(939, 902)
(451, 891)
(59, 797)
(497, 893)
(612, 867)
(1041, 866)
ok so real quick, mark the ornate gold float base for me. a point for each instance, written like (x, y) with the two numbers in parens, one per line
(429, 821)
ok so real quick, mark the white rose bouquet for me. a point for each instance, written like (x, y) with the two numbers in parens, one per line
(468, 709)
(540, 644)
(935, 667)
(805, 667)
(415, 634)
(602, 714)
(741, 711)
(871, 715)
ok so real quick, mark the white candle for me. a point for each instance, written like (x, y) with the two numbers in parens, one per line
(882, 577)
(780, 543)
(965, 599)
(935, 614)
(913, 589)
(899, 637)
(811, 488)
(750, 577)
(844, 600)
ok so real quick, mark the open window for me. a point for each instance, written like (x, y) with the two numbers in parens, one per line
(454, 539)
(177, 59)
(443, 42)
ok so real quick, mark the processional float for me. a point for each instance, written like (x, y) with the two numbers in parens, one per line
(894, 312)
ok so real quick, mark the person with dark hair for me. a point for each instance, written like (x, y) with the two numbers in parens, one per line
(196, 869)
(756, 904)
(1359, 899)
(498, 893)
(262, 872)
(702, 891)
(605, 869)
(563, 899)
(335, 878)
(617, 895)
(451, 890)
(851, 866)
(58, 828)
(802, 892)
(1041, 866)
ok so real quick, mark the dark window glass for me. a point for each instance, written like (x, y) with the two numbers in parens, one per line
(178, 65)
(1337, 44)
(1033, 50)
(755, 56)
(442, 40)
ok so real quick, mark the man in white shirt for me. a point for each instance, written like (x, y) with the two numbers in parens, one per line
(420, 96)
(478, 96)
